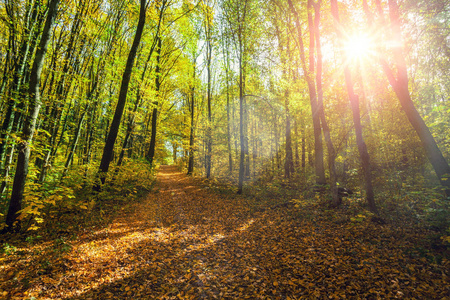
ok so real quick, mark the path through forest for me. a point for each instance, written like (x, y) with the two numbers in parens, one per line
(186, 241)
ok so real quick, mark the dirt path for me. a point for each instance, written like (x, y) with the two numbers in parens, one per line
(152, 251)
(188, 242)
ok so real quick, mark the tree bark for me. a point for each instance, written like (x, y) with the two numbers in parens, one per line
(308, 71)
(243, 168)
(241, 131)
(192, 131)
(227, 80)
(400, 86)
(242, 127)
(151, 150)
(108, 150)
(354, 101)
(74, 144)
(20, 177)
(326, 129)
(208, 24)
(20, 61)
(62, 90)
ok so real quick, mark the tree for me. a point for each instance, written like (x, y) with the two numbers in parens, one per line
(315, 31)
(17, 62)
(354, 100)
(285, 61)
(208, 29)
(34, 95)
(399, 82)
(151, 149)
(115, 124)
(236, 16)
(192, 121)
(308, 71)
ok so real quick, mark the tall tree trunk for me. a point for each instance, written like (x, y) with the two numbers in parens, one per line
(192, 129)
(255, 147)
(130, 127)
(208, 96)
(62, 90)
(131, 121)
(91, 128)
(20, 177)
(242, 127)
(285, 60)
(20, 64)
(296, 146)
(74, 144)
(241, 131)
(108, 150)
(309, 71)
(151, 150)
(227, 80)
(276, 136)
(325, 128)
(362, 148)
(303, 146)
(244, 168)
(8, 161)
(247, 138)
(400, 86)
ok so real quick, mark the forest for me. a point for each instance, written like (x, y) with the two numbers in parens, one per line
(224, 149)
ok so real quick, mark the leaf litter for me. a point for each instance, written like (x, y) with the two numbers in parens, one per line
(186, 241)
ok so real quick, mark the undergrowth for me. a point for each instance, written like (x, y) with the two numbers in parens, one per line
(61, 207)
(422, 208)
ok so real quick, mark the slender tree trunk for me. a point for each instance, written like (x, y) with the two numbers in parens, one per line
(400, 86)
(296, 146)
(255, 147)
(91, 128)
(247, 138)
(227, 66)
(151, 150)
(242, 135)
(318, 146)
(108, 150)
(74, 144)
(285, 60)
(276, 136)
(241, 132)
(22, 59)
(303, 146)
(20, 177)
(192, 131)
(354, 101)
(130, 127)
(208, 99)
(325, 128)
(62, 90)
(289, 164)
(7, 167)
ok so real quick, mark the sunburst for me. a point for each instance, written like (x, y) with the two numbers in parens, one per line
(359, 47)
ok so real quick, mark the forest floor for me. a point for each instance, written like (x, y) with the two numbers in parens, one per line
(187, 240)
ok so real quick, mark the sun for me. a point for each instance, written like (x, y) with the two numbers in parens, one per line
(358, 47)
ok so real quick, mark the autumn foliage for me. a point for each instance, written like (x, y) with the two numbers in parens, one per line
(315, 136)
(196, 239)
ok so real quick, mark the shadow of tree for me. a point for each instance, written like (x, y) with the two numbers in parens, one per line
(185, 245)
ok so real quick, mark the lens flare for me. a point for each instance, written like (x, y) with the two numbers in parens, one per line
(358, 47)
